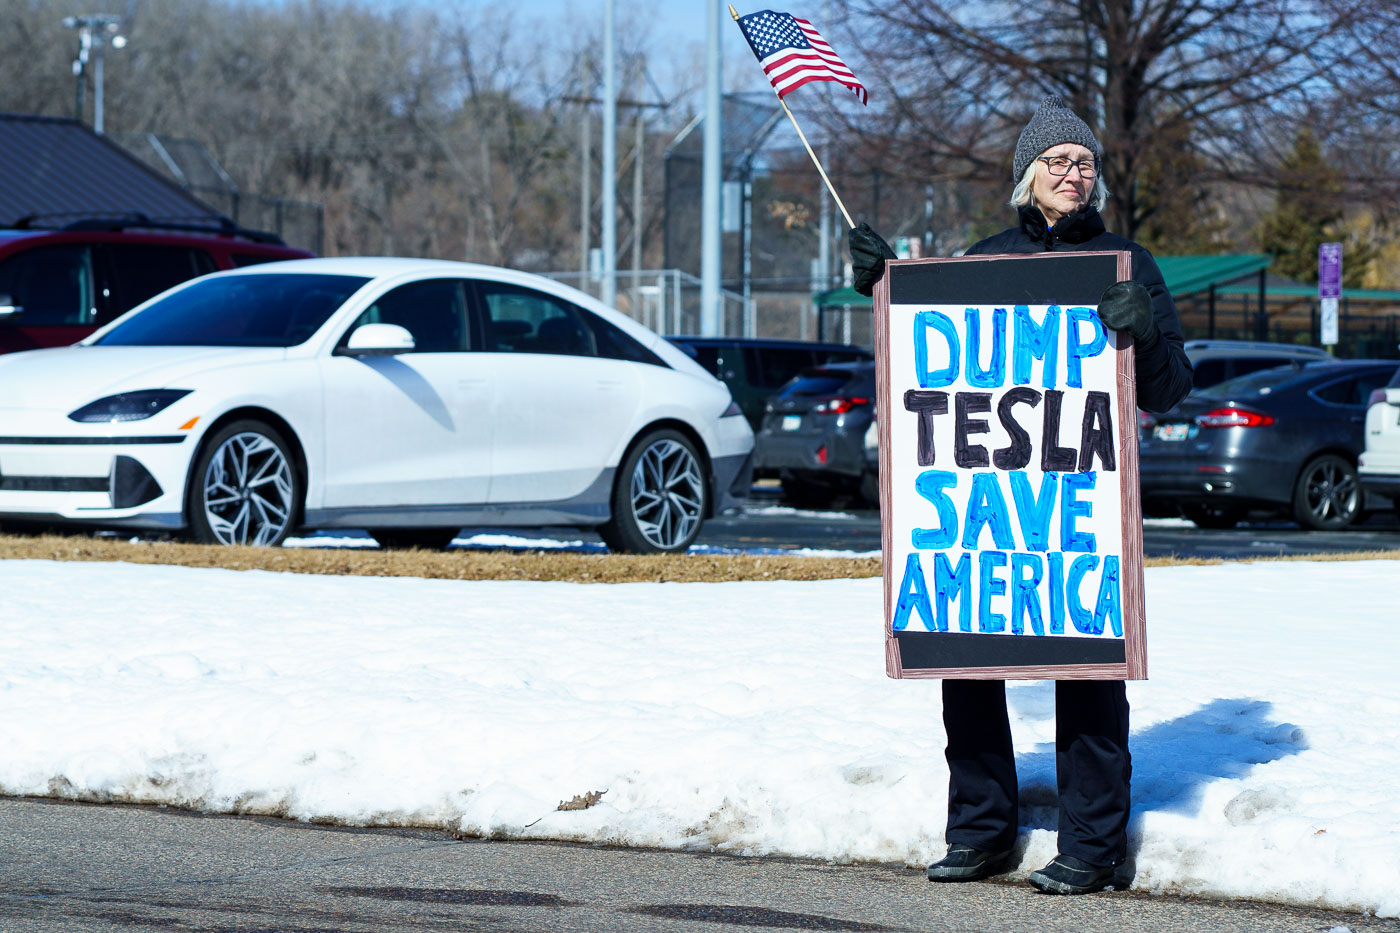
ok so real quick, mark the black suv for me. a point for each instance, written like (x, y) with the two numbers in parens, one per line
(755, 367)
(57, 285)
(813, 435)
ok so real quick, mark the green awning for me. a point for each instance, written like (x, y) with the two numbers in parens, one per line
(842, 297)
(1310, 292)
(1186, 275)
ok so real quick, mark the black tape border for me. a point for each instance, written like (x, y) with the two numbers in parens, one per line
(931, 651)
(1005, 280)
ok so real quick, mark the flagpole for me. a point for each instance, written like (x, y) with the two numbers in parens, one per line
(803, 136)
(817, 163)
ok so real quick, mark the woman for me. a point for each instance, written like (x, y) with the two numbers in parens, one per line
(1058, 194)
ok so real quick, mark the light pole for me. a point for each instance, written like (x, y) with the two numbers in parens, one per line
(95, 32)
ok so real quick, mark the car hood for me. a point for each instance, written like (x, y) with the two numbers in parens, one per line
(66, 378)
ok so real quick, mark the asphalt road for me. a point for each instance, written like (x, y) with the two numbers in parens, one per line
(75, 868)
(766, 522)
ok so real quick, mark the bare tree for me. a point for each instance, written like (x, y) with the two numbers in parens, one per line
(1210, 75)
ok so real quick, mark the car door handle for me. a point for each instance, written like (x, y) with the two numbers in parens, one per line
(610, 384)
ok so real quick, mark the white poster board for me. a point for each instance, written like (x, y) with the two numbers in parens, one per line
(1009, 487)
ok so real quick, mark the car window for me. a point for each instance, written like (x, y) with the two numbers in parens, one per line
(50, 285)
(1259, 383)
(818, 382)
(707, 357)
(1366, 384)
(616, 344)
(1208, 373)
(522, 320)
(1244, 365)
(1353, 391)
(842, 356)
(433, 311)
(772, 366)
(1338, 392)
(269, 310)
(140, 271)
(1394, 380)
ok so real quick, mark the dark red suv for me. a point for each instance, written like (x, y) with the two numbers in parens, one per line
(59, 285)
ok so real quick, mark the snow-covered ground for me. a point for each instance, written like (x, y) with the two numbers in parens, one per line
(745, 717)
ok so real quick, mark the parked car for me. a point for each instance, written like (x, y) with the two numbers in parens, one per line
(1284, 439)
(58, 286)
(1379, 464)
(814, 435)
(1216, 361)
(409, 397)
(756, 367)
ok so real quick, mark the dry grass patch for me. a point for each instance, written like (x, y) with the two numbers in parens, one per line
(500, 565)
(445, 565)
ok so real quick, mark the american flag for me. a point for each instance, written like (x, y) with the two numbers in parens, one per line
(793, 53)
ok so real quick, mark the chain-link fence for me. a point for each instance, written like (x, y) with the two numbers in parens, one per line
(193, 167)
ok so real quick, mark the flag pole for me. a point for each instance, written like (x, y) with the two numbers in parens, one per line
(803, 136)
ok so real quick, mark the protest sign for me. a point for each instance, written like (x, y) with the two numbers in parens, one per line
(1010, 508)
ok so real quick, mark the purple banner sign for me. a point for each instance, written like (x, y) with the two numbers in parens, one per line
(1329, 270)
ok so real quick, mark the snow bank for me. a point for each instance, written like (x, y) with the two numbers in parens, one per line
(744, 717)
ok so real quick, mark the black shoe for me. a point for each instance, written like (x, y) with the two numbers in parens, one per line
(964, 863)
(1068, 875)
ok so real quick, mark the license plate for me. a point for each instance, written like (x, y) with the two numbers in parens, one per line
(792, 422)
(1180, 431)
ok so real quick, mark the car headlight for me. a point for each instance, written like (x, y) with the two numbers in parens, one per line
(128, 406)
(732, 411)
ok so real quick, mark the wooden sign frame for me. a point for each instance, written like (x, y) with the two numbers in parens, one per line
(1056, 278)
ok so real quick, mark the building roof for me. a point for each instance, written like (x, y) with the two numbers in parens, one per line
(61, 170)
(1188, 274)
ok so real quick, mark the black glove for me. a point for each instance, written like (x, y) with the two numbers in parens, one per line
(868, 255)
(1127, 306)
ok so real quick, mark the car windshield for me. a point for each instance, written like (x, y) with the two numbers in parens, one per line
(1260, 382)
(264, 310)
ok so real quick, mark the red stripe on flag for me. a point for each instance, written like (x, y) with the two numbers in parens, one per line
(782, 63)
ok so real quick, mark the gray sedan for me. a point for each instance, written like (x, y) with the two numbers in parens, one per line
(1283, 439)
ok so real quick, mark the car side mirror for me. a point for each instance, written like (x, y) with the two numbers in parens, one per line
(8, 306)
(377, 340)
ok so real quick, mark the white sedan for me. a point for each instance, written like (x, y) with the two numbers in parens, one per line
(408, 397)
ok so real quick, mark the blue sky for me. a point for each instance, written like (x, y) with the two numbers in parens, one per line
(675, 29)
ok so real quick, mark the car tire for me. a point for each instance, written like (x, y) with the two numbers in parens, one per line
(1213, 516)
(870, 488)
(806, 494)
(659, 497)
(427, 539)
(244, 487)
(1327, 495)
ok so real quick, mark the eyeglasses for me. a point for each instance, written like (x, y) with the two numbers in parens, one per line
(1060, 166)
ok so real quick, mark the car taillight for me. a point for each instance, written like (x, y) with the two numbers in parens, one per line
(1376, 396)
(839, 406)
(1232, 417)
(1145, 421)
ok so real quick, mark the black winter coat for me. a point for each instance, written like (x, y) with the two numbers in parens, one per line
(1163, 371)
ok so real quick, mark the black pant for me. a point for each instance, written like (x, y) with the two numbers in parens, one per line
(1092, 767)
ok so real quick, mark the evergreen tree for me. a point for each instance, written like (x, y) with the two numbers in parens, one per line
(1307, 213)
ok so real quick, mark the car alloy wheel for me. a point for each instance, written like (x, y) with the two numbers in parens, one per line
(659, 500)
(247, 489)
(1327, 496)
(668, 494)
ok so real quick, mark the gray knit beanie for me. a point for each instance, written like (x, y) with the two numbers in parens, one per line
(1053, 123)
